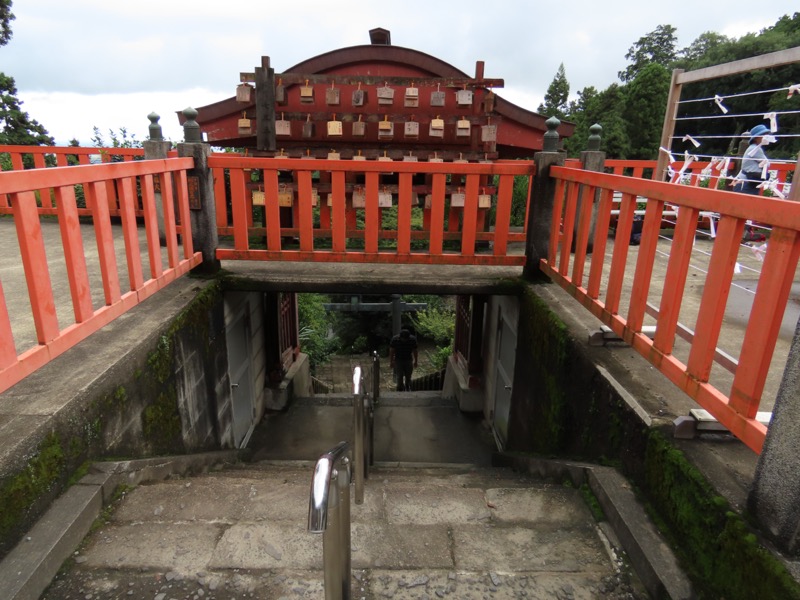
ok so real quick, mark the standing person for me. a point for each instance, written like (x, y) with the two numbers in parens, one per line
(403, 358)
(753, 163)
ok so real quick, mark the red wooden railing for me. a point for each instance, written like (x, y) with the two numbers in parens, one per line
(40, 157)
(599, 287)
(344, 231)
(19, 188)
(696, 173)
(65, 156)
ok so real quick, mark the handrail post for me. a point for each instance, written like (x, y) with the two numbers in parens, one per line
(329, 514)
(376, 377)
(376, 394)
(359, 432)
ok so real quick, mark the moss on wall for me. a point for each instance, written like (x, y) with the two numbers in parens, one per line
(101, 427)
(22, 491)
(545, 341)
(715, 545)
(563, 407)
(161, 419)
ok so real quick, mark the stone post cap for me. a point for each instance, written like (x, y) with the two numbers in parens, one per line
(154, 128)
(551, 136)
(594, 137)
(191, 129)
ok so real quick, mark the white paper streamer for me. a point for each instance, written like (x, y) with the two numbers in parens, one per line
(737, 269)
(764, 164)
(670, 172)
(768, 139)
(688, 159)
(688, 138)
(668, 153)
(718, 100)
(794, 89)
(773, 121)
(759, 251)
(773, 186)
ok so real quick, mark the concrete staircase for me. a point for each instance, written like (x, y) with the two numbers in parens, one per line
(467, 533)
(438, 521)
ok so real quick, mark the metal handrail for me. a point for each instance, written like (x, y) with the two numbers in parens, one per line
(362, 426)
(376, 394)
(329, 514)
(376, 377)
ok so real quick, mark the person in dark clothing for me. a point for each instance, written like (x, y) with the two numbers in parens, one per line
(403, 358)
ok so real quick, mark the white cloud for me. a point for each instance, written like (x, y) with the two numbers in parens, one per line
(70, 58)
(78, 114)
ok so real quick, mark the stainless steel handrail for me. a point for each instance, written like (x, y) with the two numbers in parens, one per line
(376, 393)
(376, 377)
(329, 514)
(360, 442)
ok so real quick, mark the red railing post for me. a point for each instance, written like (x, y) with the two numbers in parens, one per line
(543, 192)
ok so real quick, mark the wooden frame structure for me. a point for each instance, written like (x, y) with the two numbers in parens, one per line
(681, 77)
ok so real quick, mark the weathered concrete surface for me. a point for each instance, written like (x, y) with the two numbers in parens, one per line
(369, 278)
(416, 427)
(436, 532)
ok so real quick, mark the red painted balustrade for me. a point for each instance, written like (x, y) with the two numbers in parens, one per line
(20, 158)
(367, 211)
(134, 186)
(695, 173)
(625, 299)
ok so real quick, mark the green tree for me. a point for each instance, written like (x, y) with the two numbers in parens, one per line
(657, 47)
(705, 46)
(557, 96)
(606, 109)
(118, 140)
(746, 95)
(6, 16)
(582, 112)
(16, 126)
(645, 104)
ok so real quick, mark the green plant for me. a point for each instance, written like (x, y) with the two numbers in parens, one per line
(437, 324)
(314, 327)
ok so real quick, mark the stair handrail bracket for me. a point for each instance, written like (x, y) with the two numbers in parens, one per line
(329, 514)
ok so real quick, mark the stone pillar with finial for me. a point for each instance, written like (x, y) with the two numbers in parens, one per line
(592, 159)
(201, 191)
(156, 148)
(543, 193)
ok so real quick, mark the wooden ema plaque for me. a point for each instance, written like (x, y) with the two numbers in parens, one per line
(193, 189)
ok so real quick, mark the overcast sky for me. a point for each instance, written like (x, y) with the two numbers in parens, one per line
(108, 63)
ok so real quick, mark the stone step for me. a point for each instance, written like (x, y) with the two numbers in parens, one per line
(426, 398)
(418, 427)
(433, 532)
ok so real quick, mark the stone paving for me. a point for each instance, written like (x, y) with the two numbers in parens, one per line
(421, 533)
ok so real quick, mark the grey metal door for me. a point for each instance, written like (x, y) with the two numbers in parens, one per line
(504, 370)
(240, 373)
